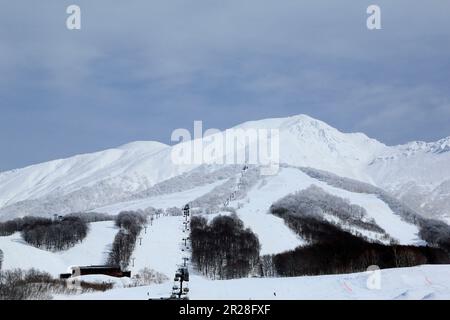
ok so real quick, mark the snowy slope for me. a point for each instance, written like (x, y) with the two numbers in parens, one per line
(176, 199)
(132, 166)
(417, 283)
(137, 166)
(417, 172)
(394, 225)
(308, 142)
(141, 174)
(160, 249)
(93, 250)
(273, 234)
(276, 237)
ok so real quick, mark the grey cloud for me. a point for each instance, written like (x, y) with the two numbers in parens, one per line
(139, 69)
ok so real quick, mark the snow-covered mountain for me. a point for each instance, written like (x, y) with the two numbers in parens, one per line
(418, 172)
(130, 166)
(344, 180)
(308, 142)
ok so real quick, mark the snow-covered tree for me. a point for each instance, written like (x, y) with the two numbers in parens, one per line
(223, 249)
(1, 259)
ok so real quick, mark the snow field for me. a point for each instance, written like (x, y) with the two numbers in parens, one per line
(416, 283)
(92, 251)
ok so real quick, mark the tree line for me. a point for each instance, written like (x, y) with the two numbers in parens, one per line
(9, 227)
(48, 234)
(130, 224)
(315, 201)
(90, 217)
(33, 284)
(55, 235)
(434, 232)
(223, 249)
(332, 251)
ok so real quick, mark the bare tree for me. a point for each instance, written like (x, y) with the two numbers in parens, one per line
(130, 224)
(223, 249)
(55, 235)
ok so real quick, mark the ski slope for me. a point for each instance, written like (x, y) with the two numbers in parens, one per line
(416, 283)
(273, 234)
(135, 167)
(177, 199)
(276, 237)
(160, 248)
(405, 232)
(93, 250)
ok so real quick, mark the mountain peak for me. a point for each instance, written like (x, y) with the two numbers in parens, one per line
(143, 145)
(442, 145)
(437, 147)
(306, 119)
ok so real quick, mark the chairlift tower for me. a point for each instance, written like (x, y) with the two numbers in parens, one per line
(181, 280)
(180, 288)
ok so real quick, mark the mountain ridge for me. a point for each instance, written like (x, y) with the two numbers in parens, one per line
(304, 141)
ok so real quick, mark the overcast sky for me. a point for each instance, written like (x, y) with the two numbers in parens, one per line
(139, 69)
